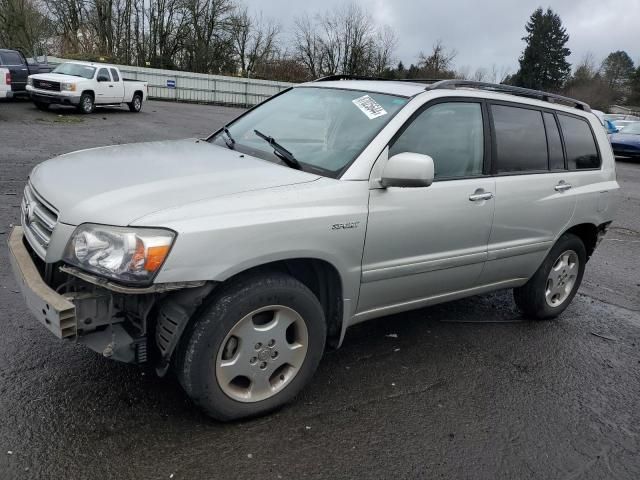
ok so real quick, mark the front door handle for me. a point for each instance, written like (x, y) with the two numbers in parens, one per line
(110, 86)
(480, 195)
(562, 186)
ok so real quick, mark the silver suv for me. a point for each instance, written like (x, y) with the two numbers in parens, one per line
(238, 259)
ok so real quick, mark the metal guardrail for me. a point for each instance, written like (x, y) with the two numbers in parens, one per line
(199, 87)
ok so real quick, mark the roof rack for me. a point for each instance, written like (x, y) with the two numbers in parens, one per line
(519, 91)
(438, 84)
(330, 78)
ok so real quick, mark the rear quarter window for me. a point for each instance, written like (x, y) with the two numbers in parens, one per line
(580, 145)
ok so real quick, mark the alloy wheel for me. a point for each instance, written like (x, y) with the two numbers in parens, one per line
(262, 353)
(562, 278)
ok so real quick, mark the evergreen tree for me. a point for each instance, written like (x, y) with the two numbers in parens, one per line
(617, 69)
(543, 64)
(634, 84)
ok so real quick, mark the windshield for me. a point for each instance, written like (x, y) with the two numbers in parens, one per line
(325, 129)
(75, 69)
(633, 128)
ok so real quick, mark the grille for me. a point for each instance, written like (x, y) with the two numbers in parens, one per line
(46, 85)
(38, 220)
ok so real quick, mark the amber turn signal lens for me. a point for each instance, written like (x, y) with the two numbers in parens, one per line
(155, 257)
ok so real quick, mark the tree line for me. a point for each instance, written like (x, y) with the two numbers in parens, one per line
(205, 36)
(544, 65)
(224, 37)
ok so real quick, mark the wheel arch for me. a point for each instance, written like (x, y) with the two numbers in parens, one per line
(177, 310)
(588, 233)
(322, 278)
(138, 92)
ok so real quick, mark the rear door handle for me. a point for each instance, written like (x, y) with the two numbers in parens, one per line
(479, 196)
(562, 186)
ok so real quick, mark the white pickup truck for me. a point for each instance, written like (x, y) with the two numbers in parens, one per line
(86, 86)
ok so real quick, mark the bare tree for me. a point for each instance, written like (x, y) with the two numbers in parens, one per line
(23, 25)
(384, 48)
(308, 45)
(343, 41)
(254, 40)
(439, 63)
(69, 16)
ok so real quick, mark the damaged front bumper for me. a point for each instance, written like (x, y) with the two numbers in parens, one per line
(114, 320)
(51, 309)
(88, 316)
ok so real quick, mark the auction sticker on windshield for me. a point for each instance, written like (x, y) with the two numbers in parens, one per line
(369, 107)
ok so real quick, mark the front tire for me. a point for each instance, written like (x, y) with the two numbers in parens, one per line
(86, 104)
(253, 347)
(550, 291)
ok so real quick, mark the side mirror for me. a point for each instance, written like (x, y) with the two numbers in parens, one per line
(408, 170)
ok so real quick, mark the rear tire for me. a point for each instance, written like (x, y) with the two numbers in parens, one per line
(136, 104)
(86, 104)
(550, 291)
(255, 345)
(42, 106)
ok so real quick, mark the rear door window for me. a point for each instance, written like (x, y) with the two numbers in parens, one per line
(582, 152)
(450, 133)
(114, 74)
(556, 157)
(11, 59)
(521, 144)
(103, 73)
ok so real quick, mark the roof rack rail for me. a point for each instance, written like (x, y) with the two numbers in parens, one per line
(377, 79)
(519, 91)
(330, 78)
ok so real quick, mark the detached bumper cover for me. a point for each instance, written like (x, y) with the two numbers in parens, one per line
(50, 308)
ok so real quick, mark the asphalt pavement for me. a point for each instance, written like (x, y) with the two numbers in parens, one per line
(461, 390)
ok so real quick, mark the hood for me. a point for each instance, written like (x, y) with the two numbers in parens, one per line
(116, 185)
(57, 77)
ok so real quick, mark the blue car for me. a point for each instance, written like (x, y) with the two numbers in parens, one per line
(610, 127)
(627, 142)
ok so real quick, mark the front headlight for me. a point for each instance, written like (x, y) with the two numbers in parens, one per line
(30, 81)
(68, 87)
(130, 255)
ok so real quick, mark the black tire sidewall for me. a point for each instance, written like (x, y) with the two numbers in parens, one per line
(198, 362)
(132, 105)
(81, 105)
(532, 295)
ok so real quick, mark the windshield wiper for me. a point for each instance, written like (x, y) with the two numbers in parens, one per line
(280, 151)
(229, 141)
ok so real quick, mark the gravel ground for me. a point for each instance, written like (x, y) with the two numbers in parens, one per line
(461, 390)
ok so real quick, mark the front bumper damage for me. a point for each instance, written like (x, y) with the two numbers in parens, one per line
(113, 320)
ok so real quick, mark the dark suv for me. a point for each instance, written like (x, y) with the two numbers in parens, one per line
(20, 69)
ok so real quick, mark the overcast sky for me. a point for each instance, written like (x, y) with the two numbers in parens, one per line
(484, 33)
